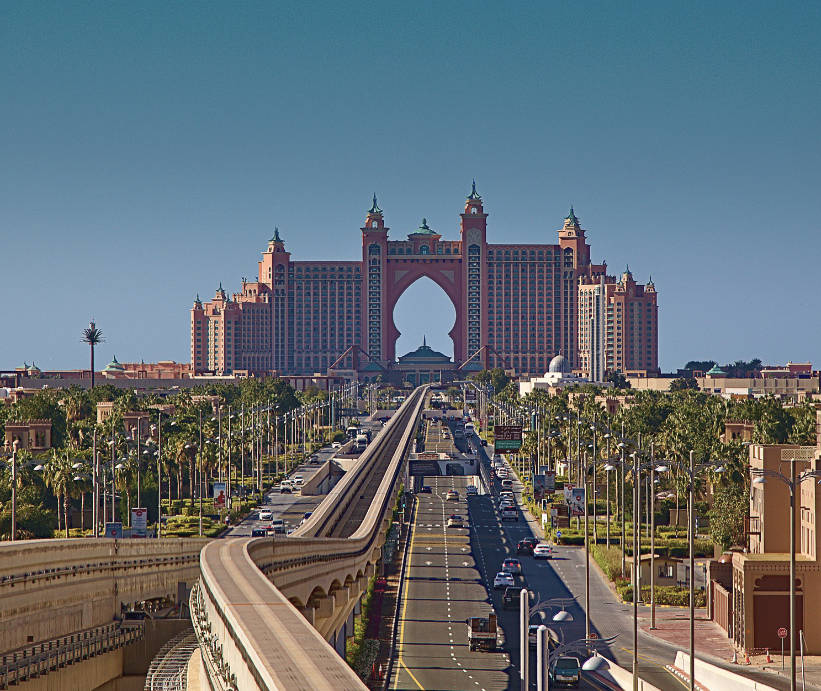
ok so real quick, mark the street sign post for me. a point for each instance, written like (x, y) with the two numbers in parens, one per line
(507, 437)
(782, 634)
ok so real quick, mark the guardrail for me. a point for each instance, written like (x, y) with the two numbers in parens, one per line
(262, 635)
(49, 656)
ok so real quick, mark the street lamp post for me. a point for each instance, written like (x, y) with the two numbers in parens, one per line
(793, 483)
(199, 476)
(636, 568)
(14, 446)
(621, 504)
(691, 469)
(652, 537)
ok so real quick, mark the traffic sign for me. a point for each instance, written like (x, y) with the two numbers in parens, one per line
(782, 632)
(558, 533)
(593, 635)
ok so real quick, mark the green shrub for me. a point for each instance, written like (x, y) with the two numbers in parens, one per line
(609, 559)
(665, 595)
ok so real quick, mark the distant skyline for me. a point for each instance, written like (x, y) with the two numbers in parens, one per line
(150, 149)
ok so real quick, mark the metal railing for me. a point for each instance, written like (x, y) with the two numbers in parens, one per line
(168, 670)
(36, 660)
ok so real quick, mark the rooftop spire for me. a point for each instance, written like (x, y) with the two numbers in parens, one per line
(473, 193)
(572, 217)
(424, 340)
(276, 237)
(375, 207)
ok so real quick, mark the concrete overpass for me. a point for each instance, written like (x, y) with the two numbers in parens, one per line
(59, 599)
(274, 613)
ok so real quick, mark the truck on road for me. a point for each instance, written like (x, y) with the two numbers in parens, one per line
(482, 633)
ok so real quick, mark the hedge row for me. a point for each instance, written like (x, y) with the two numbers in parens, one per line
(665, 595)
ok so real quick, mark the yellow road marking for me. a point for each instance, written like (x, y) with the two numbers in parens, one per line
(422, 688)
(399, 661)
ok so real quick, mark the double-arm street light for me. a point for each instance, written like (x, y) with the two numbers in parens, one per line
(793, 483)
(526, 613)
(691, 470)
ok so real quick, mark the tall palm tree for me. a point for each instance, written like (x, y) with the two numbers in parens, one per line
(92, 336)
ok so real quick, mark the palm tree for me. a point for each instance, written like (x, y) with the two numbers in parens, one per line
(92, 336)
(60, 477)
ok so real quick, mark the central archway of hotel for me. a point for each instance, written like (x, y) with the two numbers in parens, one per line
(424, 311)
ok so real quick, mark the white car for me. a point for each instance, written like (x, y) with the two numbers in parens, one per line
(298, 480)
(542, 551)
(471, 491)
(507, 494)
(265, 515)
(503, 580)
(336, 445)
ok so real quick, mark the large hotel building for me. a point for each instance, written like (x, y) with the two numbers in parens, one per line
(517, 305)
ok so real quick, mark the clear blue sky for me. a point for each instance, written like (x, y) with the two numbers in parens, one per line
(149, 149)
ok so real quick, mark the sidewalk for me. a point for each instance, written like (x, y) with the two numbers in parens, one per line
(711, 641)
(712, 644)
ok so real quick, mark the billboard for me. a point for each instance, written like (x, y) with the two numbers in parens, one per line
(549, 479)
(574, 496)
(220, 495)
(538, 487)
(507, 437)
(139, 522)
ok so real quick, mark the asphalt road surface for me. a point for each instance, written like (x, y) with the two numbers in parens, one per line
(564, 576)
(448, 574)
(291, 507)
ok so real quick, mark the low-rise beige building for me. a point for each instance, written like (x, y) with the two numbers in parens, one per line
(757, 604)
(31, 435)
(133, 421)
(666, 570)
(795, 382)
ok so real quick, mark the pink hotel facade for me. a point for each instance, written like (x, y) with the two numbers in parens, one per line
(525, 302)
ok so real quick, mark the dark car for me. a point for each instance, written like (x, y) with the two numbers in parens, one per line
(524, 547)
(484, 442)
(510, 600)
(258, 532)
(425, 489)
(565, 671)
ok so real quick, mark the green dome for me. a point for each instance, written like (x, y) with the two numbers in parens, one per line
(716, 371)
(114, 366)
(424, 229)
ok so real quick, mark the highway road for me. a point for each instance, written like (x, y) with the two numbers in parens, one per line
(564, 576)
(448, 573)
(291, 507)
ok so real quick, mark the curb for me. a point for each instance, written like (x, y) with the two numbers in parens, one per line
(684, 677)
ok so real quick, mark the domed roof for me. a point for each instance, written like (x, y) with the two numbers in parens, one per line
(558, 365)
(114, 366)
